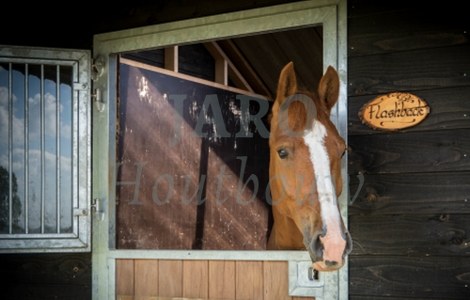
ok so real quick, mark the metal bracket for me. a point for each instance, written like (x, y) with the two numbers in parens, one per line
(304, 280)
(80, 212)
(96, 208)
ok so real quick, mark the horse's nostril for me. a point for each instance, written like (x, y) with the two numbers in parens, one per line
(323, 231)
(349, 244)
(315, 248)
(318, 247)
(330, 263)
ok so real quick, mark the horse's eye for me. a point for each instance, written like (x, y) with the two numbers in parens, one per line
(346, 149)
(282, 153)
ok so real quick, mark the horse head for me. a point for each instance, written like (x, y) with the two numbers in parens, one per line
(305, 171)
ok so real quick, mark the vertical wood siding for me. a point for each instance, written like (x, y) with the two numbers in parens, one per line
(202, 279)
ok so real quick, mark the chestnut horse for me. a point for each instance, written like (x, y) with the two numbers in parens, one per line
(305, 171)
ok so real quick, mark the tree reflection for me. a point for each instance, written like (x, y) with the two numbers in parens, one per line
(4, 202)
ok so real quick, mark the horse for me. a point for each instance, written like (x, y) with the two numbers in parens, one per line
(305, 171)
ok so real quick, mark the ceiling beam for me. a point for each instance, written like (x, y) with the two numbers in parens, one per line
(244, 67)
(225, 68)
(171, 58)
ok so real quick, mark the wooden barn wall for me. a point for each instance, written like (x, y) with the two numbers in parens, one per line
(201, 279)
(45, 276)
(411, 220)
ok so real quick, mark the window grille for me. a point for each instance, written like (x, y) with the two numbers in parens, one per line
(44, 150)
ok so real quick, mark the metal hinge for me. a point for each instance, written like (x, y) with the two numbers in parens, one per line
(97, 68)
(97, 208)
(98, 99)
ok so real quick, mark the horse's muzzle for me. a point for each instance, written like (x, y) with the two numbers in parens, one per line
(333, 257)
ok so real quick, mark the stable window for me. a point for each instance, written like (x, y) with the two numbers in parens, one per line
(44, 150)
(192, 130)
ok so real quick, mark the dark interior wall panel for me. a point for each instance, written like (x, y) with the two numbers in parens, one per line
(189, 175)
(195, 60)
(267, 54)
(146, 158)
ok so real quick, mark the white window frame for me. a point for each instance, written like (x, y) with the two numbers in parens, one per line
(330, 14)
(79, 240)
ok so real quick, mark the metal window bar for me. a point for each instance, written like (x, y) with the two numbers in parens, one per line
(42, 119)
(10, 149)
(26, 148)
(29, 224)
(57, 109)
(75, 153)
(42, 136)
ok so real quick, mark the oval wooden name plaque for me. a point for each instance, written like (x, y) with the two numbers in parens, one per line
(394, 111)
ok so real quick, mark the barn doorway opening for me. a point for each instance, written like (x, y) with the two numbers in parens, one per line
(192, 133)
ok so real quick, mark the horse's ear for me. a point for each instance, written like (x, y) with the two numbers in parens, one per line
(328, 89)
(287, 84)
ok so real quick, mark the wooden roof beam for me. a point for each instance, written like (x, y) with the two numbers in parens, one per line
(171, 58)
(245, 68)
(225, 68)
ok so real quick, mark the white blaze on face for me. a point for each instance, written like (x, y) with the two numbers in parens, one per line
(333, 242)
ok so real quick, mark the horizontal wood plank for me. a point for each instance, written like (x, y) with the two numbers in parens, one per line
(404, 28)
(411, 235)
(409, 71)
(376, 43)
(435, 12)
(413, 152)
(50, 268)
(46, 276)
(417, 277)
(449, 110)
(27, 291)
(424, 193)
